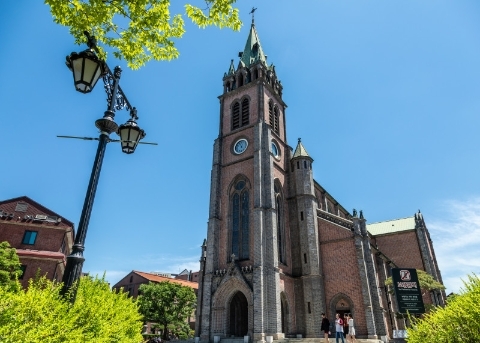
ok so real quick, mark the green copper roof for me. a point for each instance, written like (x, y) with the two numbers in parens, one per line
(391, 226)
(253, 49)
(300, 151)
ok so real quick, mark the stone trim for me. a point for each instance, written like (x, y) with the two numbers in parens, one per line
(335, 219)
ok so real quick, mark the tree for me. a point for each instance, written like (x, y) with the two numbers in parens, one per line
(10, 267)
(150, 30)
(40, 314)
(168, 304)
(458, 321)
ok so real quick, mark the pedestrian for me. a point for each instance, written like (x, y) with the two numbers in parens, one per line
(345, 325)
(325, 327)
(338, 328)
(351, 329)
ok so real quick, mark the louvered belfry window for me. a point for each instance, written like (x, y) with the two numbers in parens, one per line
(245, 112)
(276, 126)
(236, 116)
(270, 113)
(240, 114)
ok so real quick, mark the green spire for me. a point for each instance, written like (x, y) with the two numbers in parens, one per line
(300, 151)
(253, 50)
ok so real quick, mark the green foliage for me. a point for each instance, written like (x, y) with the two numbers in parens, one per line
(40, 314)
(10, 267)
(169, 305)
(458, 321)
(149, 27)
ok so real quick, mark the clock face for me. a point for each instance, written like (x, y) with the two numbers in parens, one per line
(274, 150)
(240, 146)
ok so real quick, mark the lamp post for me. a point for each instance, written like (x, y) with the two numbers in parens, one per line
(87, 68)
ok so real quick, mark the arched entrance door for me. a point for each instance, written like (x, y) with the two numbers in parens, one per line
(239, 315)
(342, 307)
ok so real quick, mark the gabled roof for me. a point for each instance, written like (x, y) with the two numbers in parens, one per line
(253, 51)
(11, 203)
(157, 278)
(391, 226)
(300, 151)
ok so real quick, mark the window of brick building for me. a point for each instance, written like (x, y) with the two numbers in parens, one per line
(21, 207)
(29, 237)
(23, 268)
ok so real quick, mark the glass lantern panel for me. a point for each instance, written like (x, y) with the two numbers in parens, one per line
(77, 69)
(91, 68)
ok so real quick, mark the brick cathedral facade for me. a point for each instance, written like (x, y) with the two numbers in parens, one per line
(275, 254)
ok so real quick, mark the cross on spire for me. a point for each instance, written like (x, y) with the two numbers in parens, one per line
(252, 12)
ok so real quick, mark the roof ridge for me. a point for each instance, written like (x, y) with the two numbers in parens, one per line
(391, 220)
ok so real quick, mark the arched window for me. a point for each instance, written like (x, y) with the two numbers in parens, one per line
(240, 221)
(280, 224)
(240, 80)
(245, 112)
(276, 126)
(236, 116)
(270, 113)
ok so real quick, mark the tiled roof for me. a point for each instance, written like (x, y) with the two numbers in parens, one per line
(157, 278)
(391, 226)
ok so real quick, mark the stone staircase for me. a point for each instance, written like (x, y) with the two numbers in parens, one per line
(322, 340)
(301, 340)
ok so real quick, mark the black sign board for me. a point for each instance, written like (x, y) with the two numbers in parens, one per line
(407, 290)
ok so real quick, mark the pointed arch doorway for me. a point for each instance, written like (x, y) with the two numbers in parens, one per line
(239, 315)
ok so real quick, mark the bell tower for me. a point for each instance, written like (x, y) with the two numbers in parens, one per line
(241, 291)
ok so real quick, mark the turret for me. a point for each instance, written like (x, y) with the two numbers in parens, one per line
(301, 165)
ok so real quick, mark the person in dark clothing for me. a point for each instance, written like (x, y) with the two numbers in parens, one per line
(325, 327)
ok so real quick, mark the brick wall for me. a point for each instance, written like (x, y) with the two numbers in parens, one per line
(341, 274)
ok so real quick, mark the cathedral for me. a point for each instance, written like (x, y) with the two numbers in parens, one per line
(274, 257)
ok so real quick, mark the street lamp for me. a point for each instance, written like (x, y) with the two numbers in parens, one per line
(87, 69)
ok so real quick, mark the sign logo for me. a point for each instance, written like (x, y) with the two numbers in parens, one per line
(407, 290)
(405, 275)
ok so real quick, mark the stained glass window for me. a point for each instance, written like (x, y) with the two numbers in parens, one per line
(240, 221)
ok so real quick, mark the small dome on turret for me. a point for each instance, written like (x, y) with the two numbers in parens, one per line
(300, 151)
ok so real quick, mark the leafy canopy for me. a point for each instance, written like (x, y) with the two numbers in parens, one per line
(10, 267)
(457, 322)
(169, 305)
(40, 314)
(138, 30)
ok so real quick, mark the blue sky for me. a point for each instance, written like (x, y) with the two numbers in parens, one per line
(384, 94)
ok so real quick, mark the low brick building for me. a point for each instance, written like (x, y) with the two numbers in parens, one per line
(133, 280)
(41, 237)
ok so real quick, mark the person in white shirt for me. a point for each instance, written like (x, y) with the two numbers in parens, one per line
(351, 329)
(338, 328)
